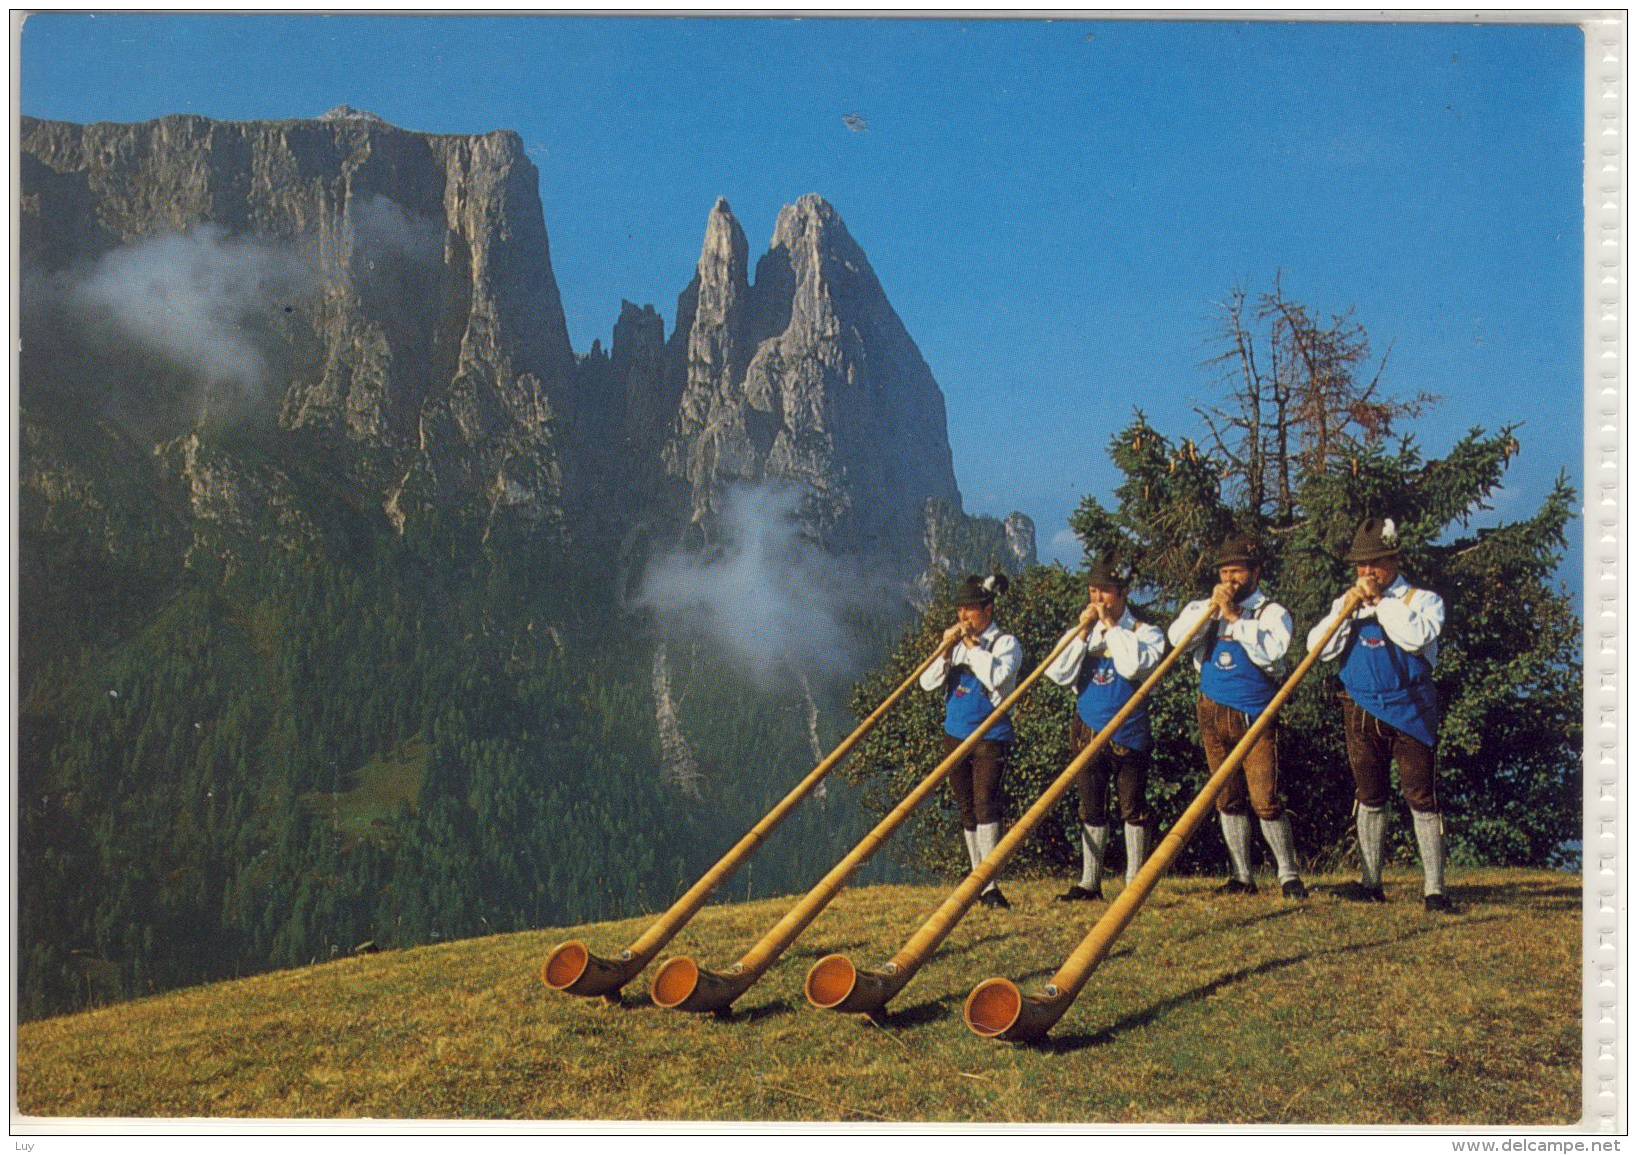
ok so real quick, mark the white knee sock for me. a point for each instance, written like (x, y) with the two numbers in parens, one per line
(1136, 849)
(988, 838)
(971, 837)
(1372, 839)
(1283, 843)
(1093, 845)
(1429, 838)
(1236, 833)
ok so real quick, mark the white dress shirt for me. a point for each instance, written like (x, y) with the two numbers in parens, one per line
(1264, 629)
(1135, 646)
(994, 661)
(1411, 618)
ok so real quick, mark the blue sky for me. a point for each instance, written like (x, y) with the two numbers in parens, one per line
(1054, 207)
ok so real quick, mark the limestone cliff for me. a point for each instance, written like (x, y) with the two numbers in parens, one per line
(379, 305)
(426, 341)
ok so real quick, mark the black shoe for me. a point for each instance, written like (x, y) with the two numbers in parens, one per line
(1234, 886)
(993, 897)
(1295, 891)
(1438, 904)
(1078, 893)
(1358, 892)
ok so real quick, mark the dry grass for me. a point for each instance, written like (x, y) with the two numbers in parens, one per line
(1211, 1009)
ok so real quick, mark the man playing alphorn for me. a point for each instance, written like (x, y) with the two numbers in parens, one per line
(1105, 668)
(1387, 652)
(979, 673)
(1240, 658)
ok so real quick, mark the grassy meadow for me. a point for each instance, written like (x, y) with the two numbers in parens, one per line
(375, 792)
(1211, 1009)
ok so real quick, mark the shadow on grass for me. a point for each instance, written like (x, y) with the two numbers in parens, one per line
(1536, 896)
(1142, 1018)
(851, 950)
(731, 1015)
(625, 1000)
(969, 947)
(813, 953)
(919, 1015)
(1027, 977)
(1285, 911)
(754, 1014)
(1532, 895)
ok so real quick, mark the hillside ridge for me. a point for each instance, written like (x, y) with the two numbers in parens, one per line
(1309, 994)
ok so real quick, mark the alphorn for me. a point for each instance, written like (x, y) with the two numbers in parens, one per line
(682, 984)
(997, 1008)
(835, 984)
(573, 969)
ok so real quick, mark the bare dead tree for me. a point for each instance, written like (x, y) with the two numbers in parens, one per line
(1298, 396)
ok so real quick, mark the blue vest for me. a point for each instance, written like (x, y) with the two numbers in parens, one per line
(1229, 678)
(1390, 683)
(966, 705)
(1102, 693)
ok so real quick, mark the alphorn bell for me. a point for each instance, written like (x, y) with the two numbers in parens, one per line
(682, 984)
(997, 1008)
(835, 984)
(573, 969)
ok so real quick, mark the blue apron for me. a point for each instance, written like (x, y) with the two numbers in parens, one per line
(967, 705)
(1229, 678)
(1102, 693)
(1390, 683)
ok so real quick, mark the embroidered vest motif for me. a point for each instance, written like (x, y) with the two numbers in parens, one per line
(1229, 678)
(966, 705)
(1102, 693)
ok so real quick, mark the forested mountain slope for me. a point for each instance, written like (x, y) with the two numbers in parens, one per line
(338, 616)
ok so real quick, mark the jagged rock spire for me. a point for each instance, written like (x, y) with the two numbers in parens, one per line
(812, 220)
(716, 353)
(809, 376)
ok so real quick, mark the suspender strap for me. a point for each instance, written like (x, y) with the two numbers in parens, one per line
(1212, 629)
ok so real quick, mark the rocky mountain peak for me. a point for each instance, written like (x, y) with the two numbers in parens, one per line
(724, 271)
(712, 319)
(347, 112)
(809, 376)
(811, 220)
(639, 331)
(725, 247)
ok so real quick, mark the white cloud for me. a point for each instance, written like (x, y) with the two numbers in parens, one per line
(1065, 547)
(768, 594)
(202, 299)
